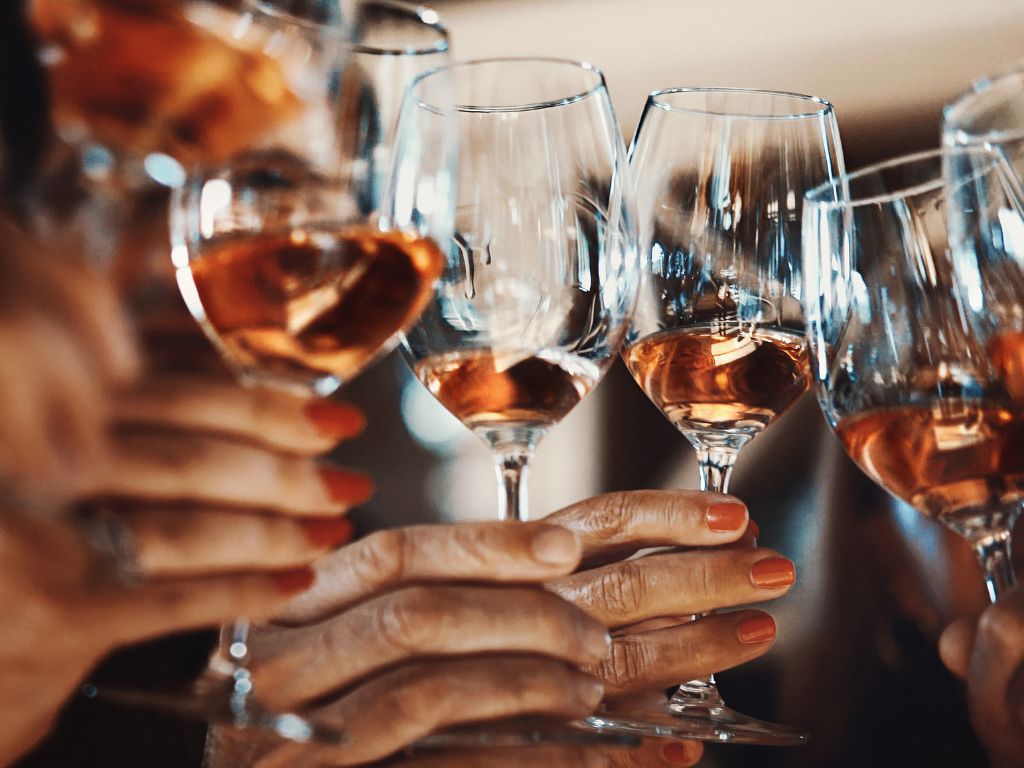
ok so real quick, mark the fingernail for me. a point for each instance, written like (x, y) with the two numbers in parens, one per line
(727, 517)
(773, 573)
(324, 534)
(346, 487)
(336, 421)
(756, 630)
(753, 529)
(676, 754)
(589, 691)
(294, 581)
(555, 545)
(596, 640)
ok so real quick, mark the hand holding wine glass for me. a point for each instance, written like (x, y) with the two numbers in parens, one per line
(717, 342)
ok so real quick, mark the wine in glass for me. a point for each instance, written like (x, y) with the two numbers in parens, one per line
(717, 341)
(909, 390)
(541, 274)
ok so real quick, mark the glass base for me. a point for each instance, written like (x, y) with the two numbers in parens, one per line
(701, 722)
(524, 732)
(220, 699)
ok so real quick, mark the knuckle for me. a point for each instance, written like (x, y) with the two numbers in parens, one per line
(1002, 626)
(622, 590)
(408, 619)
(379, 559)
(610, 518)
(626, 664)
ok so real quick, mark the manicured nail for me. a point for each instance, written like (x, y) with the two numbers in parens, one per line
(346, 487)
(756, 630)
(336, 421)
(773, 573)
(327, 534)
(294, 581)
(589, 691)
(596, 641)
(555, 545)
(727, 517)
(753, 529)
(676, 754)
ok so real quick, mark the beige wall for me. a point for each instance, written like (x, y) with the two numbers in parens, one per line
(887, 65)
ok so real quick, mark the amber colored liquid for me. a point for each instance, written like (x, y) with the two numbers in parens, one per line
(486, 391)
(1006, 351)
(313, 303)
(945, 458)
(140, 76)
(704, 380)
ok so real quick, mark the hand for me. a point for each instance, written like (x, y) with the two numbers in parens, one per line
(429, 627)
(216, 493)
(988, 653)
(63, 344)
(647, 602)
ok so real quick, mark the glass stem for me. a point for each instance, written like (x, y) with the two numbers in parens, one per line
(512, 468)
(994, 556)
(714, 465)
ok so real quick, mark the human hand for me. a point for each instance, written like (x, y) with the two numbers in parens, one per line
(647, 602)
(988, 654)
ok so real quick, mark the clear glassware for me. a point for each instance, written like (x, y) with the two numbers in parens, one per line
(992, 114)
(284, 259)
(717, 341)
(542, 274)
(910, 391)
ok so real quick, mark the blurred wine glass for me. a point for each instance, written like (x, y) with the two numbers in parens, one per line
(910, 391)
(717, 342)
(282, 256)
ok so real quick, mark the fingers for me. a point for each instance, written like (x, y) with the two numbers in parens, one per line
(993, 679)
(275, 419)
(493, 552)
(618, 523)
(956, 644)
(302, 665)
(672, 584)
(662, 657)
(419, 699)
(131, 614)
(191, 540)
(165, 466)
(651, 753)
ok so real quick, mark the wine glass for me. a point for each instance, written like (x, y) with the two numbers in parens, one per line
(541, 275)
(909, 390)
(283, 258)
(717, 342)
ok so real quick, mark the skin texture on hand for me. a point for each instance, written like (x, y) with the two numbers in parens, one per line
(219, 495)
(429, 627)
(988, 654)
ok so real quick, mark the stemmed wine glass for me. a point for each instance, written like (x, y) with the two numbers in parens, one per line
(908, 388)
(541, 275)
(717, 342)
(284, 259)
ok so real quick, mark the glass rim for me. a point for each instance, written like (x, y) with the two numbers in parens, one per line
(427, 17)
(341, 31)
(815, 196)
(982, 88)
(825, 107)
(599, 85)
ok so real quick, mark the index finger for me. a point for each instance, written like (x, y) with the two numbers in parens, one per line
(483, 552)
(617, 523)
(279, 420)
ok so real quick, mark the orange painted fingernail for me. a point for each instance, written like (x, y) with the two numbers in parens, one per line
(295, 580)
(324, 534)
(773, 573)
(336, 421)
(724, 518)
(756, 630)
(346, 487)
(676, 754)
(753, 529)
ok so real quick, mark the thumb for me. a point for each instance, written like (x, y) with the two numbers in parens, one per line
(956, 645)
